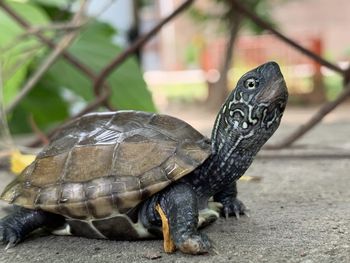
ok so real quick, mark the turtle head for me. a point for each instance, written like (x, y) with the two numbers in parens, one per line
(259, 99)
(254, 108)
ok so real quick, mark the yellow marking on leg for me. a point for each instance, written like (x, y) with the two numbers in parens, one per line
(169, 246)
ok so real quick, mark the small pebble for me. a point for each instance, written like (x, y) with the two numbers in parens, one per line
(152, 255)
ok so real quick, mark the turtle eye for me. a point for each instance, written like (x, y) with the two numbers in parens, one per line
(251, 83)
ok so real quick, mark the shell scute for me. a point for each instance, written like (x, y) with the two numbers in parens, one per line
(97, 161)
(50, 166)
(48, 197)
(134, 158)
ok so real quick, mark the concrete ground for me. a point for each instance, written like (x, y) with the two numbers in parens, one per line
(299, 210)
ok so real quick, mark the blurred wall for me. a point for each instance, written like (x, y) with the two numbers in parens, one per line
(329, 19)
(326, 20)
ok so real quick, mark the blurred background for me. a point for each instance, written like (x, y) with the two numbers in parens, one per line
(60, 59)
(185, 69)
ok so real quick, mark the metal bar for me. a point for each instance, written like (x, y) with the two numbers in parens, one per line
(315, 119)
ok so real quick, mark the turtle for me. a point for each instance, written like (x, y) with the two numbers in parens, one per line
(131, 175)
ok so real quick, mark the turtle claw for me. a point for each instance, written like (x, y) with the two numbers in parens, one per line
(8, 246)
(226, 212)
(196, 244)
(2, 235)
(12, 242)
(246, 212)
(233, 207)
(8, 236)
(214, 249)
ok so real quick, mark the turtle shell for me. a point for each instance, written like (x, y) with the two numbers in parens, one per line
(107, 163)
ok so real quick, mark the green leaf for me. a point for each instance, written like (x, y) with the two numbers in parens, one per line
(14, 55)
(13, 83)
(95, 49)
(44, 103)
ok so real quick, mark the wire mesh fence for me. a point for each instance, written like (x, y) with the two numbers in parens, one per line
(102, 90)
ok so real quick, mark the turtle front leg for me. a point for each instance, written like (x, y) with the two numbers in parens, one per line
(16, 226)
(179, 205)
(232, 206)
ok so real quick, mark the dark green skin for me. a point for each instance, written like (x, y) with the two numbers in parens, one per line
(247, 119)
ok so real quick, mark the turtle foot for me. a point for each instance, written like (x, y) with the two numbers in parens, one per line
(233, 207)
(196, 244)
(8, 235)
